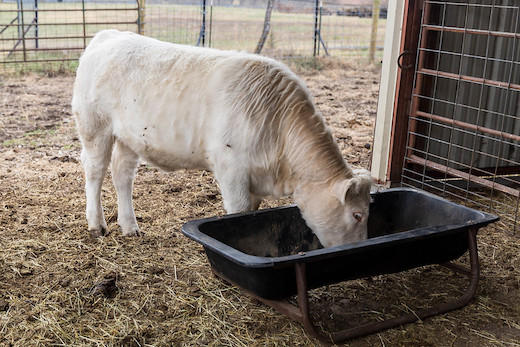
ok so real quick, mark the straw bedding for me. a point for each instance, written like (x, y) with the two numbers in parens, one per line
(59, 286)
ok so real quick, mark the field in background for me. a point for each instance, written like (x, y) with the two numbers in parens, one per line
(291, 34)
(57, 33)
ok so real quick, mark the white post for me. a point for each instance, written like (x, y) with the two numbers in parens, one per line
(387, 89)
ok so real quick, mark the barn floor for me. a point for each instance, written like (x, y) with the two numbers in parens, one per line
(57, 283)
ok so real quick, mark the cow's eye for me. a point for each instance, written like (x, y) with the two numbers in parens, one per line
(358, 216)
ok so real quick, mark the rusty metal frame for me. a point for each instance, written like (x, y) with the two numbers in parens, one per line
(405, 78)
(483, 81)
(421, 70)
(469, 126)
(434, 168)
(471, 31)
(467, 176)
(301, 312)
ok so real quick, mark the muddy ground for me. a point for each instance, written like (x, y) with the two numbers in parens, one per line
(59, 286)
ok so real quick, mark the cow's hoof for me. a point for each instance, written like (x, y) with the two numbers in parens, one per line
(134, 232)
(98, 232)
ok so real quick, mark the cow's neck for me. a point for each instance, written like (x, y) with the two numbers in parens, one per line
(312, 155)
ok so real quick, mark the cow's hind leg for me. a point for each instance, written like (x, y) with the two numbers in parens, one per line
(124, 164)
(95, 157)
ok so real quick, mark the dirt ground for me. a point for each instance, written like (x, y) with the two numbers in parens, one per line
(60, 286)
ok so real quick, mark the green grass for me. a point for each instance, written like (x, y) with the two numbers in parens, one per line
(30, 138)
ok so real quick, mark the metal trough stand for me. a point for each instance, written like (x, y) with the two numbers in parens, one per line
(301, 313)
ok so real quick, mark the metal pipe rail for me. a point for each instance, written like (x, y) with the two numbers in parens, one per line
(484, 81)
(467, 176)
(469, 126)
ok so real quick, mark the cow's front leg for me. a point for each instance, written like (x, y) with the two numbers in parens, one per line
(124, 164)
(234, 186)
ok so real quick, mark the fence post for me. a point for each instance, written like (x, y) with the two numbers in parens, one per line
(373, 34)
(210, 21)
(319, 28)
(267, 27)
(316, 33)
(202, 34)
(141, 6)
(36, 23)
(84, 24)
(23, 31)
(18, 17)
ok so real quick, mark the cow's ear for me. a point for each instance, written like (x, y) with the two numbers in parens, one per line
(360, 183)
(341, 189)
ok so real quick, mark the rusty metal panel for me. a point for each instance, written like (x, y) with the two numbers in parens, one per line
(464, 128)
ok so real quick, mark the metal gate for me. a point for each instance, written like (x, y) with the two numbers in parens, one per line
(33, 31)
(36, 33)
(463, 138)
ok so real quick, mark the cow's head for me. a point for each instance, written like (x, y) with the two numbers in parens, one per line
(338, 213)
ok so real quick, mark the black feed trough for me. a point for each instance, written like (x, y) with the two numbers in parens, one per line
(273, 255)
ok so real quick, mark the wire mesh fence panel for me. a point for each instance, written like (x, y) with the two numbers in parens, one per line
(235, 27)
(35, 33)
(346, 32)
(463, 137)
(292, 31)
(297, 29)
(172, 22)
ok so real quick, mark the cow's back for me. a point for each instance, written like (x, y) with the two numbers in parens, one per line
(181, 106)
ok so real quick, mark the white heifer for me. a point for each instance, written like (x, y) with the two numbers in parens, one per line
(247, 118)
